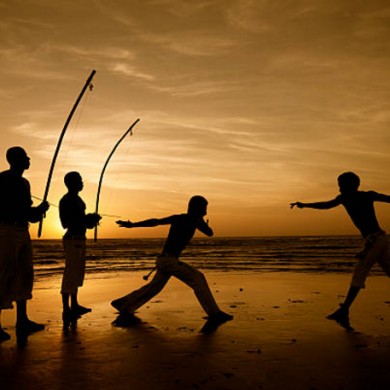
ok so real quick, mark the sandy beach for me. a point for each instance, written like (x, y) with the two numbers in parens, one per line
(279, 338)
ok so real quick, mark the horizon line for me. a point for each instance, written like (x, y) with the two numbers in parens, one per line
(201, 238)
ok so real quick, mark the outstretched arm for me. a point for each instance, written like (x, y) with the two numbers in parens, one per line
(147, 222)
(382, 198)
(318, 205)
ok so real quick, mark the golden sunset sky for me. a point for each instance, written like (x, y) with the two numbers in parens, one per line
(253, 104)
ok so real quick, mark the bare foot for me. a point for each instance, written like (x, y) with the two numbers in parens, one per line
(221, 317)
(27, 326)
(341, 316)
(214, 321)
(125, 320)
(80, 310)
(118, 304)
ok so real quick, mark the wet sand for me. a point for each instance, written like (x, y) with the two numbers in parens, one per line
(279, 338)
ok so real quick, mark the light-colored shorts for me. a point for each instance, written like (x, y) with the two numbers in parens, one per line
(16, 265)
(74, 265)
(376, 249)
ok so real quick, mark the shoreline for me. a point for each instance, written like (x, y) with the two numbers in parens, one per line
(200, 237)
(279, 337)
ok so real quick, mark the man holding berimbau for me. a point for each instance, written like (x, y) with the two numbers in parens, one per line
(16, 259)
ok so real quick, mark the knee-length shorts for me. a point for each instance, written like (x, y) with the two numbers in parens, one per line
(378, 251)
(74, 265)
(16, 265)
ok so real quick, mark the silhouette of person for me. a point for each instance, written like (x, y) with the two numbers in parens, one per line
(73, 218)
(16, 257)
(183, 227)
(360, 207)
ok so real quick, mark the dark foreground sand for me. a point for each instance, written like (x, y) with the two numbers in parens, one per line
(279, 338)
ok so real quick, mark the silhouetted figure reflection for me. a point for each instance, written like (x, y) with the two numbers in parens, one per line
(69, 321)
(183, 227)
(126, 320)
(16, 263)
(73, 218)
(360, 207)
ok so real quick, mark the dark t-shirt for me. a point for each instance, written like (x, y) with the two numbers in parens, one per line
(72, 215)
(15, 199)
(360, 207)
(183, 227)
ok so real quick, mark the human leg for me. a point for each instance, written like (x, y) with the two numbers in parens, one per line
(65, 302)
(74, 272)
(66, 312)
(8, 265)
(9, 249)
(384, 261)
(351, 296)
(76, 307)
(23, 323)
(3, 334)
(21, 311)
(197, 281)
(361, 271)
(25, 280)
(25, 269)
(342, 314)
(131, 302)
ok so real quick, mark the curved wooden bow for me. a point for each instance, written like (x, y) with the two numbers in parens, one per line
(53, 163)
(104, 169)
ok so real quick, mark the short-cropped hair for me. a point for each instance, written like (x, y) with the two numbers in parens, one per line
(71, 177)
(197, 203)
(349, 179)
(14, 154)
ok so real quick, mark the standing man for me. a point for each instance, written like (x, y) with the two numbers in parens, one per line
(360, 207)
(73, 218)
(16, 263)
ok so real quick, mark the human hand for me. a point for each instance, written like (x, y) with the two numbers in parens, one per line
(126, 224)
(298, 204)
(95, 217)
(92, 220)
(44, 206)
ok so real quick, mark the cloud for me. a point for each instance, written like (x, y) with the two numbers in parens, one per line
(116, 10)
(33, 130)
(204, 42)
(198, 88)
(22, 60)
(372, 25)
(246, 15)
(102, 53)
(183, 9)
(129, 71)
(25, 23)
(112, 58)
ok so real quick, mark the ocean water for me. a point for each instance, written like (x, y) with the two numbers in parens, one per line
(225, 254)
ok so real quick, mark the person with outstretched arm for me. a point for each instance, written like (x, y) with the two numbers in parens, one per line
(16, 256)
(182, 229)
(360, 207)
